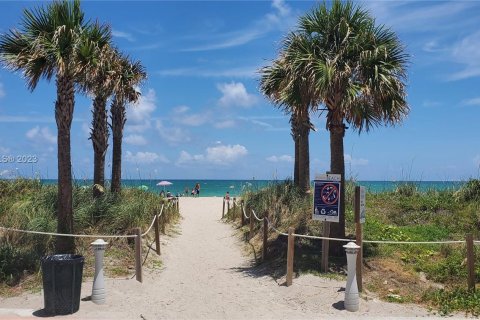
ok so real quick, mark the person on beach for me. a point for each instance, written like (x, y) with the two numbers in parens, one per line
(186, 191)
(193, 192)
(227, 196)
(162, 193)
(197, 189)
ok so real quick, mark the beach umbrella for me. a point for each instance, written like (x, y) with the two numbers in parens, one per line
(164, 183)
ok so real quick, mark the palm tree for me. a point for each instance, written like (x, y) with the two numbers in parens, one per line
(56, 41)
(129, 74)
(290, 90)
(99, 81)
(359, 71)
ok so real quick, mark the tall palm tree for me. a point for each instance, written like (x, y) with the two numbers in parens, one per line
(291, 90)
(56, 41)
(99, 81)
(359, 69)
(129, 74)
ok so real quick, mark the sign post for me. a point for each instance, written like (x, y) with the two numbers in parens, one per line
(359, 209)
(326, 207)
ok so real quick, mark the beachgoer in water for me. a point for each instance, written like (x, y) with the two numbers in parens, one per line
(186, 191)
(197, 189)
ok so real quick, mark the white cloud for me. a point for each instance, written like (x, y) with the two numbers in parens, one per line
(218, 155)
(466, 52)
(280, 18)
(124, 35)
(282, 158)
(172, 135)
(135, 139)
(224, 124)
(41, 135)
(224, 154)
(7, 173)
(183, 116)
(476, 160)
(145, 157)
(4, 150)
(431, 104)
(139, 114)
(236, 72)
(235, 94)
(355, 162)
(471, 102)
(2, 91)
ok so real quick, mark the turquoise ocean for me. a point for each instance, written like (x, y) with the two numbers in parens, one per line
(218, 188)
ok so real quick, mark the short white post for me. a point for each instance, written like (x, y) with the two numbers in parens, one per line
(98, 291)
(351, 302)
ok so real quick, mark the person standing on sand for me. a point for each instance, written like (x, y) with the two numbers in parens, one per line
(197, 189)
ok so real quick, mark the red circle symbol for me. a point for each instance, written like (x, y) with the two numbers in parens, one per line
(329, 193)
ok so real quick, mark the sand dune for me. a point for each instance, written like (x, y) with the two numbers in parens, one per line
(206, 276)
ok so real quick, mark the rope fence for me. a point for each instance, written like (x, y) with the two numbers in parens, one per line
(138, 235)
(267, 225)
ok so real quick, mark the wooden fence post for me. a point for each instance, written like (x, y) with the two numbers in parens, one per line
(290, 255)
(265, 236)
(223, 209)
(359, 239)
(138, 255)
(228, 206)
(470, 262)
(234, 208)
(325, 246)
(165, 209)
(251, 223)
(156, 224)
(241, 213)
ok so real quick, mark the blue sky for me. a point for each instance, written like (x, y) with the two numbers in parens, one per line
(201, 115)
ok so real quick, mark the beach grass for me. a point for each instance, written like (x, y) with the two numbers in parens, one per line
(403, 214)
(30, 205)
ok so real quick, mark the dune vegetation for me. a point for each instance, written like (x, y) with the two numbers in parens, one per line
(31, 205)
(433, 274)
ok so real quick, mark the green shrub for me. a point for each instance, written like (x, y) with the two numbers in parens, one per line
(458, 299)
(469, 191)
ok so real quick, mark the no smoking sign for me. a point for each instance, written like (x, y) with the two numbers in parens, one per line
(326, 198)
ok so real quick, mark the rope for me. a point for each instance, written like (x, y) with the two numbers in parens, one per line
(151, 225)
(69, 235)
(253, 211)
(413, 242)
(244, 214)
(367, 241)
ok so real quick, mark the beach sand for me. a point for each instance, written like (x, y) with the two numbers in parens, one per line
(205, 275)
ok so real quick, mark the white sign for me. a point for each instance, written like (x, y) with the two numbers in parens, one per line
(362, 204)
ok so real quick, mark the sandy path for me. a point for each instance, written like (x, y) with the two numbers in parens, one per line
(205, 275)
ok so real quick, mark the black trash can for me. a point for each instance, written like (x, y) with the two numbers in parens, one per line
(62, 283)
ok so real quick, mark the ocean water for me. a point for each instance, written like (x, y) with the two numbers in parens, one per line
(218, 188)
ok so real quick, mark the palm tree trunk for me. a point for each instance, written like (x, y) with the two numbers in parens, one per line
(99, 137)
(304, 153)
(294, 134)
(337, 166)
(118, 122)
(63, 116)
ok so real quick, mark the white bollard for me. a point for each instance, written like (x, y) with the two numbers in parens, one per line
(351, 302)
(98, 291)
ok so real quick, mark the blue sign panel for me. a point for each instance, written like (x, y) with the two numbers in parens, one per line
(326, 200)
